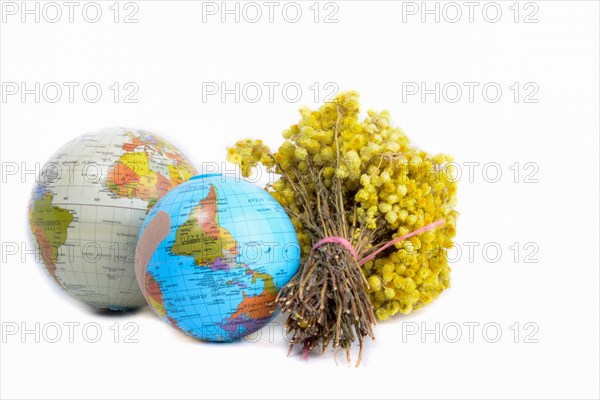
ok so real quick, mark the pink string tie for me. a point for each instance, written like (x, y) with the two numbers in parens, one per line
(348, 246)
(338, 240)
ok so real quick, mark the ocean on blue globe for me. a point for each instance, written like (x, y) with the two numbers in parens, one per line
(212, 256)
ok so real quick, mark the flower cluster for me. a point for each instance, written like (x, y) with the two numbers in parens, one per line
(389, 187)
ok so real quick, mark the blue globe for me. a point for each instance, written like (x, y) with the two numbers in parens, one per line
(212, 256)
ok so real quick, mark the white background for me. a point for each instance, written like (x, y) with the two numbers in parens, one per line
(374, 48)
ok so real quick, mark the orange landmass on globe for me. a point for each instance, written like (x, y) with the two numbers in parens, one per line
(154, 295)
(133, 144)
(122, 176)
(135, 176)
(261, 305)
(207, 217)
(155, 298)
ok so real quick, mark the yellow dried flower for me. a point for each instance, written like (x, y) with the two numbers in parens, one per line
(395, 188)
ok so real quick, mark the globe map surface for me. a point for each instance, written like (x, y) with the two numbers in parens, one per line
(89, 204)
(213, 253)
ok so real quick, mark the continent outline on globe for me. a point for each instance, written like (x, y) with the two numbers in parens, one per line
(210, 259)
(91, 258)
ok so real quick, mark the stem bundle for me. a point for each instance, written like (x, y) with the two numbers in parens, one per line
(362, 185)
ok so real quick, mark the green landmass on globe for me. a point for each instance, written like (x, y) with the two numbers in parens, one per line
(213, 247)
(49, 226)
(134, 169)
(202, 237)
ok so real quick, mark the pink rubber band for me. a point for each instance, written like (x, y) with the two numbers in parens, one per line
(338, 240)
(348, 246)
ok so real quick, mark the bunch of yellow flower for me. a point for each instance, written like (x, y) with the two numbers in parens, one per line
(388, 186)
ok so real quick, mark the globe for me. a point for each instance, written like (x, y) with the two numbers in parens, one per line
(88, 205)
(212, 256)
